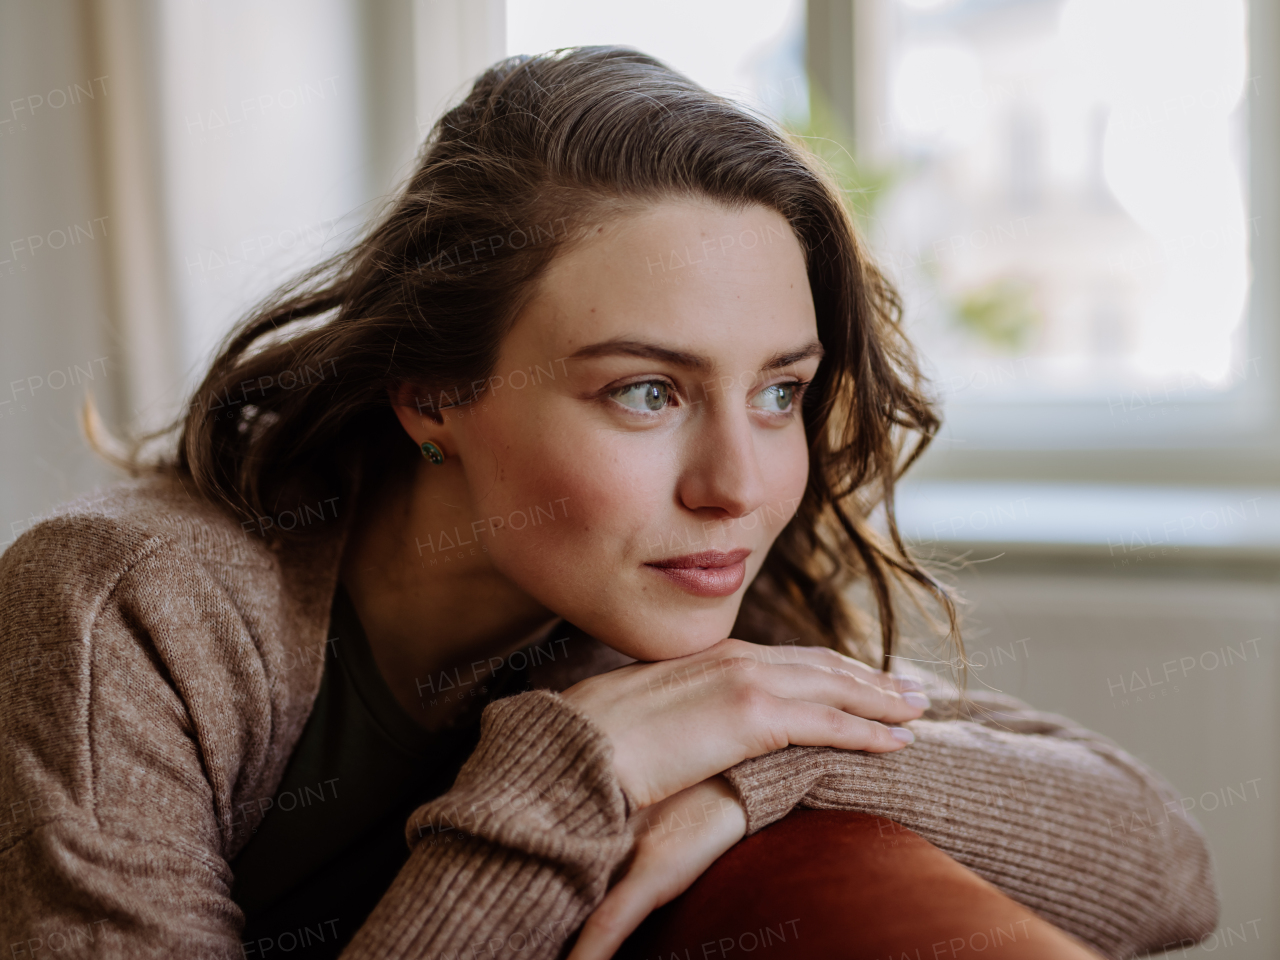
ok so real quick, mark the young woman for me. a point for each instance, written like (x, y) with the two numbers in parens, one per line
(529, 519)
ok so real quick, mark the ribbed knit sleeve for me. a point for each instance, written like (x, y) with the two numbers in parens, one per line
(512, 860)
(1031, 802)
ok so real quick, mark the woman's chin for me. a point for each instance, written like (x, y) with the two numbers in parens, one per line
(662, 645)
(650, 631)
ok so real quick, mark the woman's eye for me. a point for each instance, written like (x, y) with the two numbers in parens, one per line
(651, 395)
(775, 399)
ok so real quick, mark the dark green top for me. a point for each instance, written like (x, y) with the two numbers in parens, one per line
(332, 838)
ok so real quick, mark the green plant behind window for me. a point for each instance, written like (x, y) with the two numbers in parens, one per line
(1001, 313)
(827, 136)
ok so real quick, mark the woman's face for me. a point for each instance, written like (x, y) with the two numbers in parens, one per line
(642, 427)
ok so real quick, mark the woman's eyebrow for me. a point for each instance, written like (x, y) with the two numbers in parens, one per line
(649, 351)
(680, 358)
(808, 351)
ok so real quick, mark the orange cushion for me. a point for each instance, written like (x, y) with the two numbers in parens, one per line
(834, 885)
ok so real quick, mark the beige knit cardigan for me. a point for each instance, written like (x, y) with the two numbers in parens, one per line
(158, 664)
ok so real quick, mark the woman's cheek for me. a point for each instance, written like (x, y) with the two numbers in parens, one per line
(789, 476)
(578, 511)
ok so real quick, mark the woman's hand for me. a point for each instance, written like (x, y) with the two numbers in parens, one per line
(676, 841)
(674, 723)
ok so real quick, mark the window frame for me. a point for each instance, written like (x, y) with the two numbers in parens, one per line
(1169, 439)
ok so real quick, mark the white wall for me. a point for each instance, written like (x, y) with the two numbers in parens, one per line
(56, 338)
(1179, 665)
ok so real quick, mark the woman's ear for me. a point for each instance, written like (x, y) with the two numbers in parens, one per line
(416, 411)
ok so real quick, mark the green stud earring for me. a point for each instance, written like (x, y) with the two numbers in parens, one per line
(433, 453)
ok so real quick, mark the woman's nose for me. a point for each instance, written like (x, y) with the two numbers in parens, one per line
(722, 469)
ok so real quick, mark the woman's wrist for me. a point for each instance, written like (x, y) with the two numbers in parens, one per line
(710, 812)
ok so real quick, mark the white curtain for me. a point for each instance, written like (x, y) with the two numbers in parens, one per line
(163, 165)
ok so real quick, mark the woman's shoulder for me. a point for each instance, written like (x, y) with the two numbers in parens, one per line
(153, 648)
(158, 542)
(112, 525)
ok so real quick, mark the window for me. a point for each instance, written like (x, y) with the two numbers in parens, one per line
(1061, 190)
(757, 56)
(263, 155)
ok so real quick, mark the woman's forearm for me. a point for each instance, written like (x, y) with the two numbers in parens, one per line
(1031, 803)
(513, 858)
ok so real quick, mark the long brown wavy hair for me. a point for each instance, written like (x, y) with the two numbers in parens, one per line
(295, 407)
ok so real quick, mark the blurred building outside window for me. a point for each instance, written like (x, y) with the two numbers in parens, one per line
(1060, 190)
(749, 50)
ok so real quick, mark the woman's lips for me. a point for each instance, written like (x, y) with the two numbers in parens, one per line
(707, 574)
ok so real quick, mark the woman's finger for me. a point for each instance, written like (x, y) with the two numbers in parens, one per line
(826, 657)
(621, 911)
(815, 679)
(807, 724)
(836, 688)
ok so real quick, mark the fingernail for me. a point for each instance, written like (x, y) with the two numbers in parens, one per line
(908, 683)
(916, 700)
(903, 734)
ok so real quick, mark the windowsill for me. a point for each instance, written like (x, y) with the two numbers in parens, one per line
(1096, 520)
